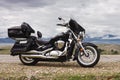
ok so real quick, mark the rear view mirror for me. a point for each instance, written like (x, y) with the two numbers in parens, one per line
(59, 18)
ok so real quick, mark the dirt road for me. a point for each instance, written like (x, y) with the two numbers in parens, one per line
(15, 59)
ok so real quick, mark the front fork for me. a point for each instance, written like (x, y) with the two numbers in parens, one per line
(80, 46)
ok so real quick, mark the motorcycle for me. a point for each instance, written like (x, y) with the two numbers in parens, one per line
(64, 47)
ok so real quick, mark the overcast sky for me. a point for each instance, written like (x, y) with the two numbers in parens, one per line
(98, 17)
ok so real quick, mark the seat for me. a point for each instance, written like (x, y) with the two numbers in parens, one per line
(43, 41)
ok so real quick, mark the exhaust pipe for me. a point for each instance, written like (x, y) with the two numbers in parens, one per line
(39, 56)
(40, 52)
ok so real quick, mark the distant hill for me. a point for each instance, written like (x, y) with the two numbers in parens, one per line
(109, 49)
(105, 39)
(6, 40)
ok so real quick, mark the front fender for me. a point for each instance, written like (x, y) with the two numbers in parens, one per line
(89, 44)
(84, 44)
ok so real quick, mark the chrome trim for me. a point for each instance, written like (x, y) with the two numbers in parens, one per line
(79, 42)
(20, 39)
(39, 56)
(40, 52)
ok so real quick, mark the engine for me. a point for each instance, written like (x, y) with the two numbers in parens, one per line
(59, 47)
(59, 44)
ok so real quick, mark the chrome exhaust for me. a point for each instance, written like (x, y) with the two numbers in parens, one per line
(39, 56)
(40, 52)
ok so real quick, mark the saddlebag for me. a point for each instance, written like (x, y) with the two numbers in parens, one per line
(21, 47)
(22, 31)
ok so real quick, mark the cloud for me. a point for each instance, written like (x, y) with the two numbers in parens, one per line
(25, 3)
(98, 17)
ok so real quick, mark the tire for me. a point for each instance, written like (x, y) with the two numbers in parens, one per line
(92, 53)
(28, 61)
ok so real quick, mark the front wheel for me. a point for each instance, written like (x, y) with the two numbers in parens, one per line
(28, 61)
(91, 59)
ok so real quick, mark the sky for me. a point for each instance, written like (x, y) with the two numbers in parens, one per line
(98, 17)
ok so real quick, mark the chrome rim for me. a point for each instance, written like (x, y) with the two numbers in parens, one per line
(91, 58)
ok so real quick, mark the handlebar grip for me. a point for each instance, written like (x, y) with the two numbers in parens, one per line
(60, 25)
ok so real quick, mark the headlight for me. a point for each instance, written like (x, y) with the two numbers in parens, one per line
(81, 35)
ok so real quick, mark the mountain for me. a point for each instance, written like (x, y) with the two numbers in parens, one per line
(6, 40)
(110, 36)
(106, 39)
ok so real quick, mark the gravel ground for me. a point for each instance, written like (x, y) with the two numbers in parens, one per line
(12, 67)
(47, 71)
(15, 59)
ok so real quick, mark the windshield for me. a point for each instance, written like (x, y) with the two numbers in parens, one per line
(75, 27)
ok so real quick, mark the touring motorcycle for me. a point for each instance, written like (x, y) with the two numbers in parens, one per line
(63, 47)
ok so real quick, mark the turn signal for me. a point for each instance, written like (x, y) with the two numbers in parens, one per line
(81, 49)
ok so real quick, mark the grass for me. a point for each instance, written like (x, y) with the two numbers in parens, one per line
(74, 77)
(67, 77)
(109, 49)
(5, 49)
(88, 77)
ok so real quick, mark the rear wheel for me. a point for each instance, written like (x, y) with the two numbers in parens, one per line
(91, 59)
(27, 60)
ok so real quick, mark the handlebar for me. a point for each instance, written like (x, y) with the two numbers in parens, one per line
(65, 25)
(60, 25)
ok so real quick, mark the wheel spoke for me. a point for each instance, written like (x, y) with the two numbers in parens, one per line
(89, 60)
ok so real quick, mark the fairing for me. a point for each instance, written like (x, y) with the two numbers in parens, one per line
(75, 27)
